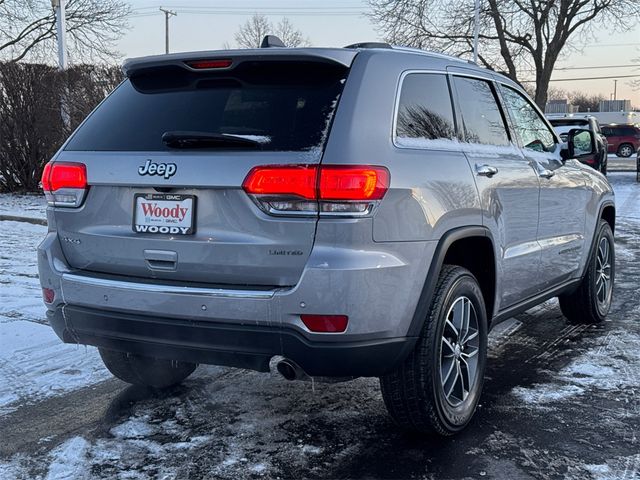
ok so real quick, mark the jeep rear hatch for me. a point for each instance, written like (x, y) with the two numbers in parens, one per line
(166, 156)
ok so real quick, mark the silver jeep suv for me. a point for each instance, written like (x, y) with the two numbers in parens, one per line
(338, 212)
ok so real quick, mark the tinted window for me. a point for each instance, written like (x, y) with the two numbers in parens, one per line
(481, 116)
(425, 109)
(528, 124)
(286, 106)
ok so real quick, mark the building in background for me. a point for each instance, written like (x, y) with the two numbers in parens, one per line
(559, 106)
(615, 105)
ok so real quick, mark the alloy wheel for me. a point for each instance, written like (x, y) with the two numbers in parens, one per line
(604, 284)
(459, 351)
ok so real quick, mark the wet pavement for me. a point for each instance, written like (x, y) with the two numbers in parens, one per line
(559, 401)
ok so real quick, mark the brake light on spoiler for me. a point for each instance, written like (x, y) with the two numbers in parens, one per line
(64, 183)
(332, 190)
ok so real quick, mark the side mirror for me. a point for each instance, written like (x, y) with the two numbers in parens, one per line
(581, 143)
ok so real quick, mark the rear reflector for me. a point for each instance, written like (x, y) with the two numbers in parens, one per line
(48, 295)
(305, 189)
(213, 63)
(64, 183)
(325, 323)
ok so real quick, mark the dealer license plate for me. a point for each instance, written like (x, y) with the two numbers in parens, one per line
(164, 213)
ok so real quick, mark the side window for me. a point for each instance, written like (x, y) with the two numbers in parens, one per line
(606, 131)
(483, 122)
(425, 110)
(529, 126)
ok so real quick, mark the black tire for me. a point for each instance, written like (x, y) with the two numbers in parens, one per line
(587, 304)
(414, 393)
(146, 371)
(625, 150)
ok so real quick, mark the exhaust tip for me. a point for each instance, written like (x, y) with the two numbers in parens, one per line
(287, 370)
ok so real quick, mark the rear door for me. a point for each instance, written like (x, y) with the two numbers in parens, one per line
(175, 209)
(508, 188)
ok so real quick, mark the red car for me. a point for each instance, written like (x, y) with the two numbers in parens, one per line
(624, 140)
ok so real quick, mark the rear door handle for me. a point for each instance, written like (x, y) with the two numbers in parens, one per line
(486, 170)
(546, 173)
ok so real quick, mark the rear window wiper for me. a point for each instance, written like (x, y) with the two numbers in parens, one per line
(180, 139)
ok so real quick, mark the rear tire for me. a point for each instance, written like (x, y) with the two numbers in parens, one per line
(438, 386)
(625, 150)
(591, 301)
(146, 371)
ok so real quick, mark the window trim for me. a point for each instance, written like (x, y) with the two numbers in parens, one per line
(501, 85)
(497, 95)
(396, 107)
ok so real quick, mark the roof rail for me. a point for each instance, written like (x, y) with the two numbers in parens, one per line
(369, 45)
(430, 53)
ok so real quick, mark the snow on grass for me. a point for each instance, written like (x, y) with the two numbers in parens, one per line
(30, 206)
(34, 363)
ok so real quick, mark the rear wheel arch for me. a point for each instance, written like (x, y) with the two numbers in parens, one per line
(608, 214)
(469, 247)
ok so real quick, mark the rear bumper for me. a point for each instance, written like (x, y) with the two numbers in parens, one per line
(242, 346)
(244, 327)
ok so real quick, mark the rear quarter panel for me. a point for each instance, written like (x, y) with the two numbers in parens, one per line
(432, 189)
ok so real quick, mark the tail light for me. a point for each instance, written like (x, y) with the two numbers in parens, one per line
(64, 183)
(332, 190)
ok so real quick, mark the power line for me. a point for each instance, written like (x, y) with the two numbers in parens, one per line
(633, 65)
(585, 78)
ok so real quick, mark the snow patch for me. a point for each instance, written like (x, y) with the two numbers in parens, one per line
(546, 393)
(69, 460)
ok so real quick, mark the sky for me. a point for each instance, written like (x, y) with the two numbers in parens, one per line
(335, 23)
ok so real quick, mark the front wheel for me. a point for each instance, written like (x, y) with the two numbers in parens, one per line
(437, 388)
(145, 371)
(591, 301)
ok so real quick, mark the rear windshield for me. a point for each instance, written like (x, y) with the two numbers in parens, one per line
(285, 106)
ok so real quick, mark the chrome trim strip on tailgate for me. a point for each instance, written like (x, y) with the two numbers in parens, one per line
(145, 287)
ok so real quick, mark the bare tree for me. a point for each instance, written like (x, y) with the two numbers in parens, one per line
(31, 125)
(514, 34)
(28, 30)
(252, 32)
(291, 36)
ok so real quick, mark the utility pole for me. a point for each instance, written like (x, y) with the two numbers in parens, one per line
(615, 89)
(61, 30)
(167, 15)
(476, 30)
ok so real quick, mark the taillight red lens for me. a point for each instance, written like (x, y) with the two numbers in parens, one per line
(64, 175)
(213, 63)
(339, 182)
(46, 173)
(325, 323)
(297, 180)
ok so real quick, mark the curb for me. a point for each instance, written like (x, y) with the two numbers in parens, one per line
(33, 221)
